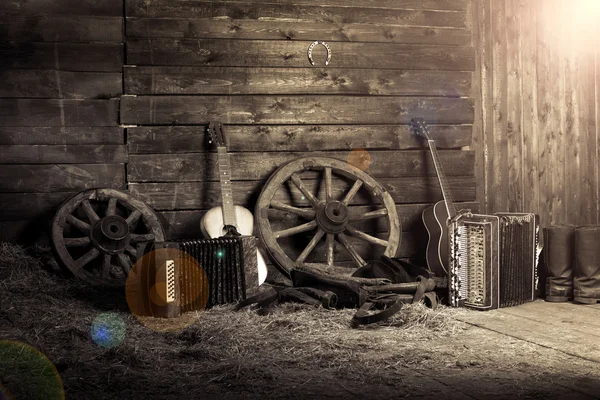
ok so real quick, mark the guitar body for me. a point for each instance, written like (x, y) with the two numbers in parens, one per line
(212, 226)
(435, 219)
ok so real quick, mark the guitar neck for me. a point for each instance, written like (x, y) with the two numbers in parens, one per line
(442, 178)
(226, 192)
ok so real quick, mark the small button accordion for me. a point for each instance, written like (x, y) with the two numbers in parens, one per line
(175, 277)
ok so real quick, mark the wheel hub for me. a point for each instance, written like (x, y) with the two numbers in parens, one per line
(332, 217)
(111, 234)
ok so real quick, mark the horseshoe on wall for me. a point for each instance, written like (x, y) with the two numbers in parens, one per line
(310, 49)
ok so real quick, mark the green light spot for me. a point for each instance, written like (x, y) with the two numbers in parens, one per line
(303, 198)
(219, 254)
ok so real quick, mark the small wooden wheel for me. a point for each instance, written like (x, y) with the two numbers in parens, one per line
(330, 217)
(94, 234)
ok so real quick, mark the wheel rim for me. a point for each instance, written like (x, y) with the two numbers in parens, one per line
(95, 234)
(331, 216)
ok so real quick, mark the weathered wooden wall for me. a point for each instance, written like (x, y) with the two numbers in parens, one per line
(245, 63)
(60, 82)
(537, 79)
(64, 125)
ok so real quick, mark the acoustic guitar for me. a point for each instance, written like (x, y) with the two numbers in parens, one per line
(437, 216)
(228, 219)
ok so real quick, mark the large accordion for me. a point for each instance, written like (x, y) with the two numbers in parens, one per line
(493, 260)
(175, 277)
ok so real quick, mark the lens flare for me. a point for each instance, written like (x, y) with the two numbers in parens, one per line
(27, 374)
(108, 330)
(359, 158)
(164, 282)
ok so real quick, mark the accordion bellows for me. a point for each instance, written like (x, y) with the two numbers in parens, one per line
(493, 260)
(174, 277)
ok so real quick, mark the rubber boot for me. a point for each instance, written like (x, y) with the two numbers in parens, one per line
(586, 274)
(558, 257)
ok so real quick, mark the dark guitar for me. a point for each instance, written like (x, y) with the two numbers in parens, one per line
(436, 217)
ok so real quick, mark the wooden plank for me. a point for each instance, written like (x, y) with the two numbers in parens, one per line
(224, 80)
(61, 135)
(562, 338)
(90, 57)
(61, 177)
(194, 195)
(292, 53)
(486, 43)
(277, 30)
(478, 133)
(38, 112)
(530, 164)
(172, 110)
(69, 7)
(30, 206)
(498, 141)
(60, 28)
(64, 154)
(391, 4)
(257, 166)
(514, 134)
(240, 138)
(292, 12)
(60, 84)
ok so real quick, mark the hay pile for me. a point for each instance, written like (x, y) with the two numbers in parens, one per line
(297, 351)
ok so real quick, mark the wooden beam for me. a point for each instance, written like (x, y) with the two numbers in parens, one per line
(293, 110)
(64, 7)
(61, 135)
(64, 154)
(220, 80)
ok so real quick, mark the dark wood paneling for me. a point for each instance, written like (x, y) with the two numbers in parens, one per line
(288, 53)
(250, 29)
(168, 110)
(218, 80)
(61, 135)
(30, 206)
(64, 7)
(258, 166)
(194, 195)
(60, 28)
(37, 112)
(66, 154)
(60, 84)
(62, 56)
(389, 4)
(240, 138)
(60, 177)
(297, 13)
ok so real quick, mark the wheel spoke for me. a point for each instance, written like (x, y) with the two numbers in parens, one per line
(132, 219)
(79, 224)
(112, 206)
(366, 237)
(125, 263)
(136, 237)
(297, 229)
(77, 242)
(330, 240)
(350, 195)
(131, 250)
(310, 247)
(382, 212)
(106, 266)
(303, 189)
(87, 257)
(355, 256)
(328, 187)
(89, 211)
(306, 213)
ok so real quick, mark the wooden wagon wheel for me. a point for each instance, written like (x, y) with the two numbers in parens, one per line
(94, 234)
(330, 217)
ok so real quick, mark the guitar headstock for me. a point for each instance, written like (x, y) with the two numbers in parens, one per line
(420, 127)
(216, 135)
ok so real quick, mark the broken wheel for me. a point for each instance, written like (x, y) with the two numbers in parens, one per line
(330, 217)
(94, 234)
